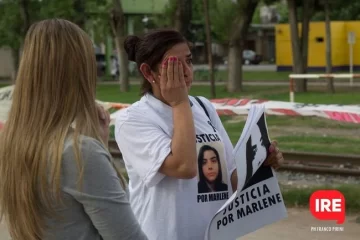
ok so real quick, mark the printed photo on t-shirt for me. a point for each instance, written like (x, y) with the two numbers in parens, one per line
(212, 169)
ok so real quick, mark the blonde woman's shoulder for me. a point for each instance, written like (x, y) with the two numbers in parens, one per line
(86, 145)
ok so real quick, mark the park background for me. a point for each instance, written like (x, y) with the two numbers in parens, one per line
(242, 49)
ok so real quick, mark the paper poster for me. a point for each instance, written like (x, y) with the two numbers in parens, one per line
(258, 200)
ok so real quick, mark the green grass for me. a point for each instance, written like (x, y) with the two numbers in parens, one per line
(278, 93)
(222, 76)
(248, 76)
(299, 197)
(314, 122)
(111, 93)
(304, 134)
(342, 96)
(311, 147)
(328, 140)
(307, 134)
(315, 95)
(312, 134)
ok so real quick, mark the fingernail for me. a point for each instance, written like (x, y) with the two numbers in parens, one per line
(175, 59)
(271, 148)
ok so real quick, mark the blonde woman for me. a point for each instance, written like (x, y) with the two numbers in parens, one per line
(56, 176)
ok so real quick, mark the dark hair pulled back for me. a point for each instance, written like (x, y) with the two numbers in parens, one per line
(150, 49)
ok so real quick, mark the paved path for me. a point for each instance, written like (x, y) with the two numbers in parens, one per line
(296, 226)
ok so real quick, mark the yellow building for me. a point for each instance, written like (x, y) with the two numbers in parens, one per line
(317, 54)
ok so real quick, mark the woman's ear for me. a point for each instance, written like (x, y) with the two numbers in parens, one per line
(147, 73)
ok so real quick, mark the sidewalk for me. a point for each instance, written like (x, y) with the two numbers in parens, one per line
(296, 226)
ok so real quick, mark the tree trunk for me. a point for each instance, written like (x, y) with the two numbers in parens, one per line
(330, 84)
(209, 47)
(118, 28)
(308, 10)
(235, 67)
(80, 14)
(24, 11)
(183, 17)
(178, 15)
(236, 45)
(300, 44)
(297, 55)
(123, 64)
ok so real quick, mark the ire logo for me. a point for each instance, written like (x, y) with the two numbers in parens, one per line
(328, 205)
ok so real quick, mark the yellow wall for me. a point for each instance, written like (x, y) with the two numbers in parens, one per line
(316, 55)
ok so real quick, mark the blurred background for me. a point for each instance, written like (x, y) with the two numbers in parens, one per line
(244, 50)
(261, 33)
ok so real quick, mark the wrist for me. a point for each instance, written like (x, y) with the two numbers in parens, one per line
(181, 104)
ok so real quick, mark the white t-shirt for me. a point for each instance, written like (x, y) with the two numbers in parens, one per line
(169, 208)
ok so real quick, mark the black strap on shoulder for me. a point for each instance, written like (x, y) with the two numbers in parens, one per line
(203, 106)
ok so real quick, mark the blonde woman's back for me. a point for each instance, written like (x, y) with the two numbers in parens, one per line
(56, 176)
(101, 210)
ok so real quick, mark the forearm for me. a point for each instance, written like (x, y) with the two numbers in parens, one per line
(183, 145)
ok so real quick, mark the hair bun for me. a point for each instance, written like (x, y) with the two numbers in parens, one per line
(130, 46)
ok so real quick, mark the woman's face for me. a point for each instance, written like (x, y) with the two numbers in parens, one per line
(210, 165)
(182, 52)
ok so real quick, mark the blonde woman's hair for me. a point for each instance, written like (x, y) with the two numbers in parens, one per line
(55, 88)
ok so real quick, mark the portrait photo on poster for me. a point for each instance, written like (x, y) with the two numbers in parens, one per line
(257, 149)
(212, 169)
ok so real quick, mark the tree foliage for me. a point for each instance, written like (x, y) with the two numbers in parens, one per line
(344, 10)
(11, 22)
(222, 16)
